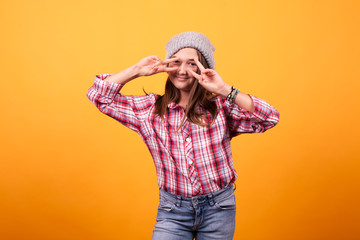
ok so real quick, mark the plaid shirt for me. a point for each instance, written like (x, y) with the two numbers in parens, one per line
(194, 160)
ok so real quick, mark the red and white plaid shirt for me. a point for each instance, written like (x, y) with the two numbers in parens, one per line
(194, 160)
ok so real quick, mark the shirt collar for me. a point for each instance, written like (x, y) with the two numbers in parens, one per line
(173, 105)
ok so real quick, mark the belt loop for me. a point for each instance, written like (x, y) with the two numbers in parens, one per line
(211, 199)
(178, 201)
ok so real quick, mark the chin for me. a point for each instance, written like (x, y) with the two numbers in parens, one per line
(182, 85)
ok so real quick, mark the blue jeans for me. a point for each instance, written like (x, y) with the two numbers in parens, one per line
(203, 217)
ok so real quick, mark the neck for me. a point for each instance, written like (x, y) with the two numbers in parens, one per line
(184, 99)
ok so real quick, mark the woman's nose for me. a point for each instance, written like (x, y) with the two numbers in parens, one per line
(182, 69)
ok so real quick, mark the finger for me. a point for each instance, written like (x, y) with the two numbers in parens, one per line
(202, 83)
(154, 58)
(169, 60)
(166, 69)
(155, 69)
(200, 66)
(209, 72)
(170, 69)
(195, 75)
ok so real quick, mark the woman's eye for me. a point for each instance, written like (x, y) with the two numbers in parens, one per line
(193, 64)
(175, 63)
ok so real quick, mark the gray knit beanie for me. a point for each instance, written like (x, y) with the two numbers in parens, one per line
(195, 40)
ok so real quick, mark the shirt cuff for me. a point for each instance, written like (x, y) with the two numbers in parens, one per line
(105, 88)
(262, 110)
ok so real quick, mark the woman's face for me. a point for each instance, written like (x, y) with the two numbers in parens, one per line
(181, 79)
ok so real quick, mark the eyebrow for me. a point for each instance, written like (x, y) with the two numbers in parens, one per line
(191, 59)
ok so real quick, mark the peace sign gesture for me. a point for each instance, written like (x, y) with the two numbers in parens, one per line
(153, 64)
(210, 80)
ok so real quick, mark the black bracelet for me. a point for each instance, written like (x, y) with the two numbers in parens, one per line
(228, 98)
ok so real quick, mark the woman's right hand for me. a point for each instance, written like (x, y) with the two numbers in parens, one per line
(153, 64)
(145, 67)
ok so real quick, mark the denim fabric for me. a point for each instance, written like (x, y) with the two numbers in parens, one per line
(206, 217)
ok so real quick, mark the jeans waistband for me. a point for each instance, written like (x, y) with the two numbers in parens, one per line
(210, 198)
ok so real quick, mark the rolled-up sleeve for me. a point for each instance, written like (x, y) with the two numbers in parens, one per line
(128, 110)
(241, 121)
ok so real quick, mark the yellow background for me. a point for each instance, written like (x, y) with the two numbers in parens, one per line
(69, 172)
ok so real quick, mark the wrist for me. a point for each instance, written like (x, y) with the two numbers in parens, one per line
(224, 92)
(135, 71)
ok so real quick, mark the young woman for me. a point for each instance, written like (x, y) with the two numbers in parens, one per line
(188, 132)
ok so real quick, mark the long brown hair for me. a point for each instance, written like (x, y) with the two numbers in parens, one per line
(199, 96)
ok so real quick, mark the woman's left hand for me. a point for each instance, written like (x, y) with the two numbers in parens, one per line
(211, 80)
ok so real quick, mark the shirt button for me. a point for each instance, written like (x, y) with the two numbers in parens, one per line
(188, 139)
(190, 162)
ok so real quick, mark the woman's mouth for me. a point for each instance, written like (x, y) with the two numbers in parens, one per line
(182, 78)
